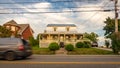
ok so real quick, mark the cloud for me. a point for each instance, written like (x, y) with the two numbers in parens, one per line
(85, 21)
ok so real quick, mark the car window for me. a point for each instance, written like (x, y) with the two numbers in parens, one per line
(8, 41)
(24, 42)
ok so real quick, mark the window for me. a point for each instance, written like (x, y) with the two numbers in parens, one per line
(67, 28)
(13, 28)
(8, 27)
(55, 28)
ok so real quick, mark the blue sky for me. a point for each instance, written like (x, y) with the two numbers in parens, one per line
(85, 21)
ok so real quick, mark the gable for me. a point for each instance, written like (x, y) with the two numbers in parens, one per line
(11, 22)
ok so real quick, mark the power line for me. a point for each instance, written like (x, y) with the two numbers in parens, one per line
(57, 12)
(95, 13)
(42, 1)
(58, 8)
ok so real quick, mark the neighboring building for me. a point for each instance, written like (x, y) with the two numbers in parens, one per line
(23, 30)
(60, 33)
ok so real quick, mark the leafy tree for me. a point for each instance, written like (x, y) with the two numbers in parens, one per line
(4, 32)
(110, 26)
(33, 41)
(109, 33)
(116, 42)
(92, 36)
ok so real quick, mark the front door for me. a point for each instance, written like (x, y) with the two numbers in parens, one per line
(61, 44)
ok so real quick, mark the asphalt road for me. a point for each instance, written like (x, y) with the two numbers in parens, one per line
(64, 61)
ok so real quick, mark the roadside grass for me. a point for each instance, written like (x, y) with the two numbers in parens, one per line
(42, 51)
(89, 51)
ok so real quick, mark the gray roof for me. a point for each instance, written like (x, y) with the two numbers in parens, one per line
(61, 25)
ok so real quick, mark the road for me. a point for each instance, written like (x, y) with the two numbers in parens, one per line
(64, 61)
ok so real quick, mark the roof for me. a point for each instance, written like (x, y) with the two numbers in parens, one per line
(22, 27)
(61, 25)
(11, 22)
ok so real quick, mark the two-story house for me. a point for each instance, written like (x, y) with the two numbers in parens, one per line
(23, 30)
(60, 33)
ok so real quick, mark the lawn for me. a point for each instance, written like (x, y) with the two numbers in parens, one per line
(76, 51)
(89, 51)
(42, 51)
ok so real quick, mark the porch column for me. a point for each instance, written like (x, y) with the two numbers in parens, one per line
(49, 36)
(39, 41)
(64, 37)
(58, 37)
(74, 37)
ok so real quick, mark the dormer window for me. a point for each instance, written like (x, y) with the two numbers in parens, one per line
(55, 28)
(67, 28)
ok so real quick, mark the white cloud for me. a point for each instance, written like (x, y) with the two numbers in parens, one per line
(86, 21)
(39, 7)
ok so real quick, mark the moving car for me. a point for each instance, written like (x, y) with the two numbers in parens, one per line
(11, 48)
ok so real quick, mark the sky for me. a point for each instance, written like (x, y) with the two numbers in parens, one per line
(38, 14)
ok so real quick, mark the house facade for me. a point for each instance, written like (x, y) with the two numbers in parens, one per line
(60, 33)
(22, 30)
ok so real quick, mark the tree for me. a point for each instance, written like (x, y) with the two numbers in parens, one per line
(110, 26)
(4, 32)
(116, 42)
(92, 36)
(109, 33)
(33, 42)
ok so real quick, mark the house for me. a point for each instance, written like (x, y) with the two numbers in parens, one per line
(23, 30)
(61, 33)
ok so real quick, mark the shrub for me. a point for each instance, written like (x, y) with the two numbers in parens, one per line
(86, 44)
(54, 46)
(79, 44)
(69, 47)
(116, 42)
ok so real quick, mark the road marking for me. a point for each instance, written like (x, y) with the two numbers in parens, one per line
(14, 62)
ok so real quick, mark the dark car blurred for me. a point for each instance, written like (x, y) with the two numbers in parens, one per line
(94, 44)
(11, 48)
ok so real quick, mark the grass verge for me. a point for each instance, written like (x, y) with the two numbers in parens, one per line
(42, 51)
(89, 51)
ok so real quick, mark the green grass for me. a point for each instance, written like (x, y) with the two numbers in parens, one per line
(89, 51)
(42, 51)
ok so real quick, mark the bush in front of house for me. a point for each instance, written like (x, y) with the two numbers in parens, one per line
(69, 47)
(87, 44)
(54, 46)
(79, 45)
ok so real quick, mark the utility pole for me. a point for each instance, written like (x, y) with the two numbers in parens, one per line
(116, 15)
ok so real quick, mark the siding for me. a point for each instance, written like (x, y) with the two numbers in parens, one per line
(27, 33)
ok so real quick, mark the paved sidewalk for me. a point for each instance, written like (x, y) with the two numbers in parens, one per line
(108, 49)
(61, 51)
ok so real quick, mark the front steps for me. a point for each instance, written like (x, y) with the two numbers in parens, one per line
(61, 51)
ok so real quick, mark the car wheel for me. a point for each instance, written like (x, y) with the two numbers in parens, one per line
(24, 57)
(10, 56)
